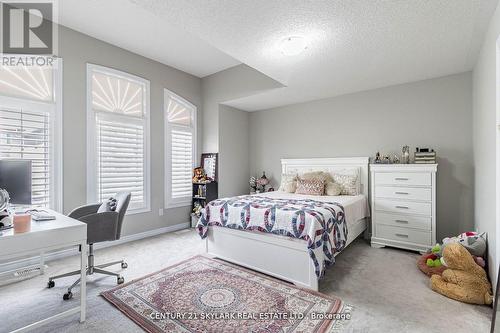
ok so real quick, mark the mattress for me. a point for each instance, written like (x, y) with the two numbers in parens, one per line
(355, 206)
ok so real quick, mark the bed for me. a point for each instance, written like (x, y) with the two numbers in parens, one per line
(285, 257)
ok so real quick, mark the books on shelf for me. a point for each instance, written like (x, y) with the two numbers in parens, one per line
(425, 157)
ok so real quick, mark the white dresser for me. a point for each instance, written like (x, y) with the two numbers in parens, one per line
(403, 201)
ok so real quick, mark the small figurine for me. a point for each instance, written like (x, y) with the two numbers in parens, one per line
(377, 158)
(253, 185)
(199, 175)
(395, 159)
(197, 209)
(405, 155)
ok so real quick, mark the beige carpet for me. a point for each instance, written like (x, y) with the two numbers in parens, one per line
(388, 292)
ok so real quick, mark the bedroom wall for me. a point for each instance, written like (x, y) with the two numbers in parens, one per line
(232, 83)
(486, 141)
(77, 50)
(234, 162)
(434, 113)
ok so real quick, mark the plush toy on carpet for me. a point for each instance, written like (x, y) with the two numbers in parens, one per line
(463, 280)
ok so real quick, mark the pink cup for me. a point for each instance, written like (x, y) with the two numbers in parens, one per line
(22, 223)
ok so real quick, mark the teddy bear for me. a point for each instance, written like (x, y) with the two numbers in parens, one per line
(463, 280)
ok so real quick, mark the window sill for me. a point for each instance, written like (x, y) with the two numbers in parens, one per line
(138, 211)
(178, 205)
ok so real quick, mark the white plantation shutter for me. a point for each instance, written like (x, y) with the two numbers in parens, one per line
(25, 135)
(180, 120)
(182, 163)
(120, 150)
(118, 136)
(30, 126)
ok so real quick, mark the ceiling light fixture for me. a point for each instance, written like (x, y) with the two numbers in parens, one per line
(294, 45)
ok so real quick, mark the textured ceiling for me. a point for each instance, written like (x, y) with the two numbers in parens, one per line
(126, 25)
(354, 45)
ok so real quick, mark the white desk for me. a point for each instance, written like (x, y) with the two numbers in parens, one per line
(47, 236)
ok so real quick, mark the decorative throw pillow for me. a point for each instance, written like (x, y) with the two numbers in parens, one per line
(288, 182)
(332, 188)
(310, 186)
(108, 206)
(348, 183)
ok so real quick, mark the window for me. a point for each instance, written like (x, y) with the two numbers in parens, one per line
(30, 126)
(118, 136)
(180, 138)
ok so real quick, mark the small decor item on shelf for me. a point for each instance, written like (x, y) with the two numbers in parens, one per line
(386, 159)
(425, 156)
(395, 159)
(271, 189)
(199, 175)
(262, 182)
(405, 155)
(377, 159)
(253, 185)
(197, 209)
(209, 165)
(5, 218)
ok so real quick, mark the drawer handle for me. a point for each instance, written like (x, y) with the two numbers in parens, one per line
(402, 235)
(405, 193)
(401, 221)
(399, 178)
(402, 207)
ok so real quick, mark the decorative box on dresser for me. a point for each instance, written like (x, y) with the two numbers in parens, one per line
(403, 201)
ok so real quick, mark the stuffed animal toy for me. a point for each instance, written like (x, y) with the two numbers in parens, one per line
(475, 243)
(199, 175)
(464, 280)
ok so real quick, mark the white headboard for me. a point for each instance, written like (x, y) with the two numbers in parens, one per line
(333, 164)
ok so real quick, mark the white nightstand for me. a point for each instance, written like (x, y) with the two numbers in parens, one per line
(403, 201)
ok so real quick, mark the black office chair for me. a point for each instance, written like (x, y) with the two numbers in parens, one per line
(104, 223)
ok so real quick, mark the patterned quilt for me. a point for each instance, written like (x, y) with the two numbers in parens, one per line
(321, 224)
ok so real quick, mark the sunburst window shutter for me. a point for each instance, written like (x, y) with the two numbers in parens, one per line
(180, 124)
(30, 127)
(119, 137)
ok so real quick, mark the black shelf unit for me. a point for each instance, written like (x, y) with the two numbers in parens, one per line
(203, 193)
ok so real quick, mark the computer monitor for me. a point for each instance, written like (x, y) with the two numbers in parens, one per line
(15, 178)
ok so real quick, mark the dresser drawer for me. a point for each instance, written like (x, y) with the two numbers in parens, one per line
(405, 221)
(410, 193)
(404, 234)
(403, 207)
(403, 178)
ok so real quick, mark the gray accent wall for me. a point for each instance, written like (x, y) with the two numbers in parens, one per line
(234, 160)
(486, 139)
(77, 50)
(434, 113)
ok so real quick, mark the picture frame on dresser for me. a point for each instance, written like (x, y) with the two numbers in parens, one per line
(403, 203)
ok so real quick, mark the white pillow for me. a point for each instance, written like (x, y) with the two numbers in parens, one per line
(348, 180)
(288, 182)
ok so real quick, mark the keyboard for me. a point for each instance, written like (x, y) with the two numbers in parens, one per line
(41, 216)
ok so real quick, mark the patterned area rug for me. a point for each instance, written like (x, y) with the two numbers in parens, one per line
(209, 295)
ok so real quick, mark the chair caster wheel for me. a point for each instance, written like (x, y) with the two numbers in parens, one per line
(124, 265)
(67, 296)
(51, 284)
(120, 280)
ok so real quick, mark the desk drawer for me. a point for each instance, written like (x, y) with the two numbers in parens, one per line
(403, 207)
(404, 234)
(404, 221)
(403, 178)
(410, 193)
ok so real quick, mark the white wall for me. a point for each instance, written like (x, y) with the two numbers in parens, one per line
(77, 50)
(434, 113)
(485, 141)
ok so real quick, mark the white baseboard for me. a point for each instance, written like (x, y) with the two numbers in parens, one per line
(35, 260)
